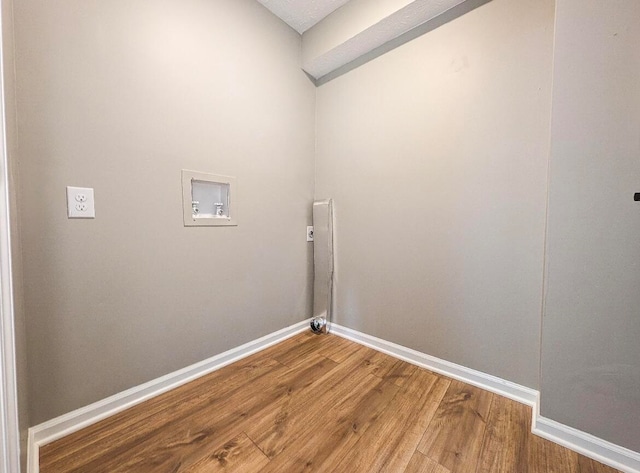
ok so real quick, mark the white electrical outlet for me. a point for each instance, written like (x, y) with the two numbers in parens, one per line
(309, 233)
(80, 202)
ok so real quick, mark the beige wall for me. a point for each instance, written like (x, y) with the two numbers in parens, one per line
(120, 96)
(436, 155)
(591, 349)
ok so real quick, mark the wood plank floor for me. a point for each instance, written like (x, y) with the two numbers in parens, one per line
(321, 404)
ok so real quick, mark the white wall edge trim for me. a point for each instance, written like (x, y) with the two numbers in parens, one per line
(482, 380)
(593, 447)
(9, 425)
(66, 424)
(588, 445)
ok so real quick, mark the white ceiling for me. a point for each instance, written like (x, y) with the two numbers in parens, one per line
(302, 14)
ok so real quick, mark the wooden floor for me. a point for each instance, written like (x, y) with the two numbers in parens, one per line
(321, 404)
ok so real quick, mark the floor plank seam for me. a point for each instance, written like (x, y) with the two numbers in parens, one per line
(257, 446)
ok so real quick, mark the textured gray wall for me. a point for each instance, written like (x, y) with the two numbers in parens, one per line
(436, 156)
(591, 329)
(120, 96)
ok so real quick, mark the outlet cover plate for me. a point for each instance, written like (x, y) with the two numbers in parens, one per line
(80, 202)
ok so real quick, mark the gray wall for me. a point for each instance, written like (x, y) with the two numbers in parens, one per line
(436, 155)
(591, 335)
(121, 96)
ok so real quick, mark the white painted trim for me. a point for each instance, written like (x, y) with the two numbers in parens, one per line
(588, 445)
(482, 380)
(72, 422)
(9, 427)
(600, 450)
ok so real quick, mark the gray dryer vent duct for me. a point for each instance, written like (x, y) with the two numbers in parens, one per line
(322, 265)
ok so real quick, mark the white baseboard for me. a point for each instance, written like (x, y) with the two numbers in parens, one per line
(57, 428)
(600, 450)
(482, 380)
(588, 445)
